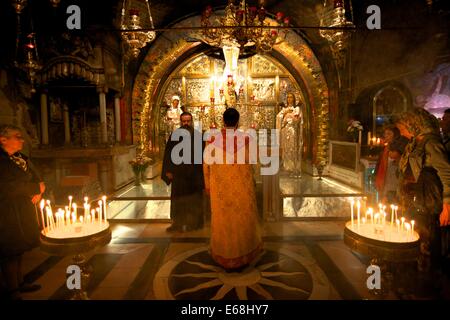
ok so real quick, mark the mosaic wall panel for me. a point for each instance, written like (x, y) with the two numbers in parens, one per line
(264, 89)
(261, 65)
(197, 90)
(199, 66)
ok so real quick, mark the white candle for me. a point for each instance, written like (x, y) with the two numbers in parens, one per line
(352, 203)
(408, 230)
(93, 215)
(395, 210)
(403, 223)
(412, 227)
(364, 220)
(89, 218)
(68, 219)
(104, 208)
(81, 219)
(384, 219)
(41, 206)
(74, 218)
(98, 214)
(70, 202)
(398, 225)
(358, 205)
(100, 211)
(377, 216)
(75, 208)
(392, 214)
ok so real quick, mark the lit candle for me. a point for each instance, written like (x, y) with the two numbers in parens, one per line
(74, 218)
(358, 205)
(352, 203)
(377, 216)
(98, 214)
(81, 219)
(384, 219)
(70, 202)
(86, 200)
(104, 208)
(395, 210)
(100, 211)
(398, 225)
(68, 219)
(89, 218)
(378, 141)
(75, 208)
(403, 223)
(41, 206)
(392, 214)
(364, 220)
(412, 227)
(49, 221)
(93, 215)
(408, 230)
(50, 207)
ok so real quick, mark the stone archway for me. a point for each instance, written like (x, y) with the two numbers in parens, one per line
(170, 50)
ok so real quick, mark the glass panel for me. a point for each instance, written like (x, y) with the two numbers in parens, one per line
(139, 209)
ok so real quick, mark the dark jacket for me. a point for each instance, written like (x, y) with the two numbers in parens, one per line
(187, 178)
(19, 228)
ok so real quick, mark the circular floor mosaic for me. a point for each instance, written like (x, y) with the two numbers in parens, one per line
(277, 274)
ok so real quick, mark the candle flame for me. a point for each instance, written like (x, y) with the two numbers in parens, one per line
(104, 198)
(42, 204)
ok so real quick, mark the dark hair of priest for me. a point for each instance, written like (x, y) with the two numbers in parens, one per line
(231, 117)
(185, 113)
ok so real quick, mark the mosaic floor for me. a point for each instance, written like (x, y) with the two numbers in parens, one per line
(301, 260)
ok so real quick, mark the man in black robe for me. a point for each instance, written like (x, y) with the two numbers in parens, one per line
(186, 176)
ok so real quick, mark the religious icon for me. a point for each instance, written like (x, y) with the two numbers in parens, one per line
(290, 126)
(173, 114)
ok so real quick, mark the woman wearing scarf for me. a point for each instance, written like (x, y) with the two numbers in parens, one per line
(20, 191)
(425, 187)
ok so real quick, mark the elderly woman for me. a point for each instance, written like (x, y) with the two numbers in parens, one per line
(425, 186)
(20, 191)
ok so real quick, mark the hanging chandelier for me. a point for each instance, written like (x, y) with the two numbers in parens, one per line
(132, 32)
(31, 64)
(244, 27)
(337, 33)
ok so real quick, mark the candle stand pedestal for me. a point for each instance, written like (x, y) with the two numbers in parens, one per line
(385, 254)
(77, 247)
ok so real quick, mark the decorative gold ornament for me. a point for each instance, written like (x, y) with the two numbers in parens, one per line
(244, 27)
(132, 32)
(338, 32)
(18, 5)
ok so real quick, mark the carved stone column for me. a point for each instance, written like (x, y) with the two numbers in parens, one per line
(44, 119)
(104, 129)
(117, 118)
(67, 139)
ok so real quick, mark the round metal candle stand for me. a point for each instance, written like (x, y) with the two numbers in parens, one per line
(381, 253)
(77, 247)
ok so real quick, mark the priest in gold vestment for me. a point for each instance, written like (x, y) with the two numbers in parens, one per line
(235, 231)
